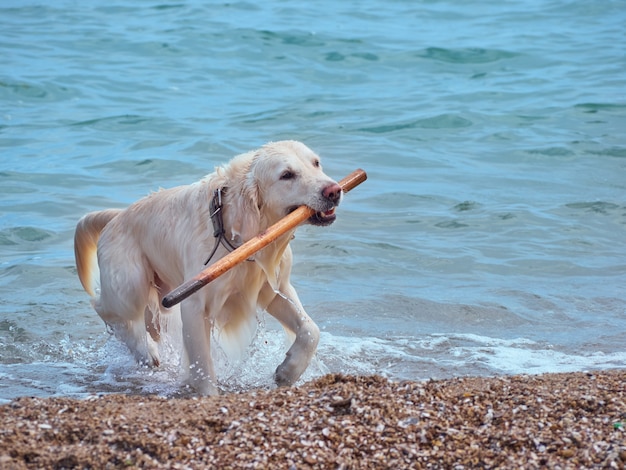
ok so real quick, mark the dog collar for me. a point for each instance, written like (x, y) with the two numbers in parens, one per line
(217, 219)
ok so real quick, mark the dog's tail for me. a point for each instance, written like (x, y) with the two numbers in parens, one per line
(86, 238)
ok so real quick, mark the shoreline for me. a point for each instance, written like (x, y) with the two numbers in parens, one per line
(561, 420)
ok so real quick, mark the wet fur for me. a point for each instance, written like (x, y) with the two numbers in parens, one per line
(127, 260)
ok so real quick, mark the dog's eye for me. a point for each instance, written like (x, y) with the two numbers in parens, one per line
(316, 163)
(287, 175)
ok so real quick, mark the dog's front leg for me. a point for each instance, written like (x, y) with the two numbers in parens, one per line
(288, 310)
(197, 341)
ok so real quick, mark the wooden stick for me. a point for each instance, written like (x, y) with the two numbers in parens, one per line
(253, 245)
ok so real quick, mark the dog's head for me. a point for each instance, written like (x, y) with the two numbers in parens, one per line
(288, 175)
(274, 181)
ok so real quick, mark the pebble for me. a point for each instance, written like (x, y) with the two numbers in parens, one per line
(349, 422)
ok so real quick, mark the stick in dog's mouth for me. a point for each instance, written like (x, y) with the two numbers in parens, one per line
(320, 218)
(260, 241)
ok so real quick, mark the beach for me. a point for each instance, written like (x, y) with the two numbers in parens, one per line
(569, 420)
(480, 269)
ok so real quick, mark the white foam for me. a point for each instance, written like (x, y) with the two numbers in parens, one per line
(112, 368)
(468, 353)
(522, 355)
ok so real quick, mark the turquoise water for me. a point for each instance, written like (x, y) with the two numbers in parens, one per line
(488, 239)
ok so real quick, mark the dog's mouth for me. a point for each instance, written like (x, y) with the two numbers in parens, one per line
(323, 218)
(320, 218)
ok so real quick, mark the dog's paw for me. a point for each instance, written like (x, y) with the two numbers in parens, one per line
(203, 385)
(149, 360)
(284, 376)
(154, 357)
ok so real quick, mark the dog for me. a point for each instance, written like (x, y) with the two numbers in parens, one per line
(128, 259)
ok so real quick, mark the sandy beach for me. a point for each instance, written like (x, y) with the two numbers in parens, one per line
(574, 420)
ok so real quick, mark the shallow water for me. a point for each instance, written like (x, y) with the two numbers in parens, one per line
(489, 237)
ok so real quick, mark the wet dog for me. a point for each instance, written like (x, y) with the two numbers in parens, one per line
(128, 259)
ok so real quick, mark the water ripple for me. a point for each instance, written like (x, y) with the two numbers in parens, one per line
(466, 56)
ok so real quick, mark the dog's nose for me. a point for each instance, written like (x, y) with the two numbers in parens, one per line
(332, 192)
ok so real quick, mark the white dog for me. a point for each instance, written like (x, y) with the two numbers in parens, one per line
(164, 239)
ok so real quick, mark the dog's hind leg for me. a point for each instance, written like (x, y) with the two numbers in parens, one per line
(288, 310)
(141, 343)
(153, 324)
(152, 314)
(132, 332)
(123, 302)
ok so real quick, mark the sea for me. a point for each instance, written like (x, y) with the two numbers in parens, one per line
(489, 238)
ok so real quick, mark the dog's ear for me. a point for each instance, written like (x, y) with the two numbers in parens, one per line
(245, 202)
(252, 201)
